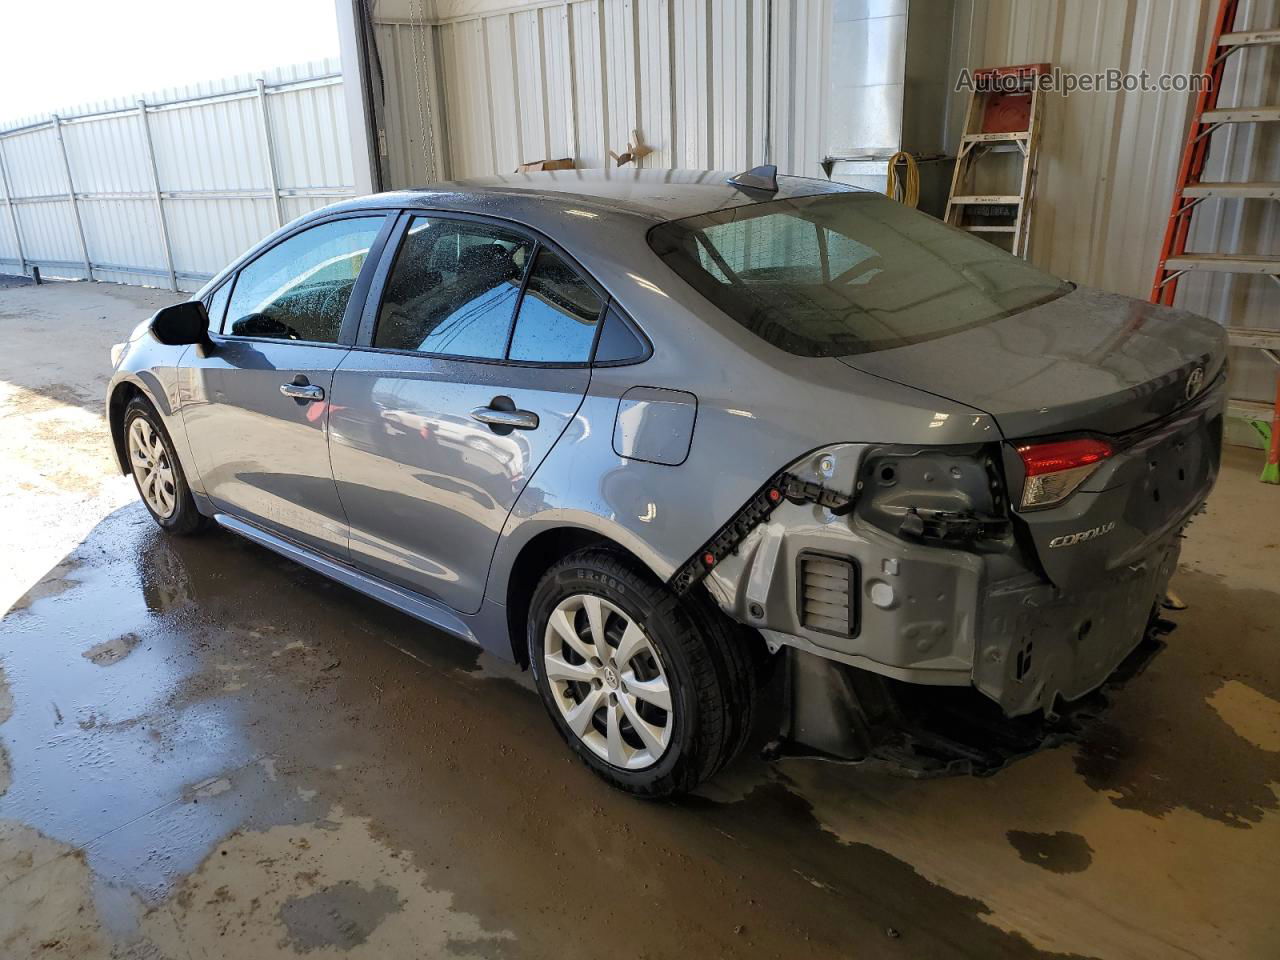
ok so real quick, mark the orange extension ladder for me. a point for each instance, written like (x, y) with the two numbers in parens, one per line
(1175, 260)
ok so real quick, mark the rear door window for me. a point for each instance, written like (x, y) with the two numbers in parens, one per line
(453, 289)
(559, 314)
(298, 290)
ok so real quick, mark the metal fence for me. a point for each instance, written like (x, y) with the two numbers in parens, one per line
(165, 190)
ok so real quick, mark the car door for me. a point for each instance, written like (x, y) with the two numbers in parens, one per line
(256, 405)
(469, 367)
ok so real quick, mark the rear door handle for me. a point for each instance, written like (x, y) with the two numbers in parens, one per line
(502, 416)
(300, 389)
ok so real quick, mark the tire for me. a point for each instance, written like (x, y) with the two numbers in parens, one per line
(150, 451)
(703, 659)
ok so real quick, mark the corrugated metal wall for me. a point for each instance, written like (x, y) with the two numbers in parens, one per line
(1109, 160)
(575, 79)
(214, 173)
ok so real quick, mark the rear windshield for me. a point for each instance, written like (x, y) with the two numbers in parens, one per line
(847, 273)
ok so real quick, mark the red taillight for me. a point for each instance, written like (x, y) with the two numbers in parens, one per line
(1055, 469)
(1062, 455)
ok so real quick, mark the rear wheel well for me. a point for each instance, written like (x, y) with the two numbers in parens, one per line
(536, 558)
(120, 398)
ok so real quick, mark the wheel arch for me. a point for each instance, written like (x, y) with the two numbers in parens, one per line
(123, 392)
(536, 555)
(151, 388)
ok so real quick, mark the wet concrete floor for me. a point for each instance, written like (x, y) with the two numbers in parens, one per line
(208, 751)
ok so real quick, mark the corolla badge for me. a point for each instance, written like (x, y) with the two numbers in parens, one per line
(1194, 382)
(1071, 539)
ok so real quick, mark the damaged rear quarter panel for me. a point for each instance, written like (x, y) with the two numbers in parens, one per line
(917, 603)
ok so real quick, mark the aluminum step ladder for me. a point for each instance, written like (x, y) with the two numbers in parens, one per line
(1003, 117)
(1176, 261)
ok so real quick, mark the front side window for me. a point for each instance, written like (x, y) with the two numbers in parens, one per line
(847, 273)
(558, 315)
(298, 290)
(216, 305)
(453, 289)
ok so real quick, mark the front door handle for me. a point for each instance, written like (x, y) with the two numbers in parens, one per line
(300, 389)
(502, 416)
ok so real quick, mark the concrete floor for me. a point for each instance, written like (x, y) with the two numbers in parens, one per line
(208, 751)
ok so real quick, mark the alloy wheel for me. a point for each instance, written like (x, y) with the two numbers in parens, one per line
(151, 468)
(608, 681)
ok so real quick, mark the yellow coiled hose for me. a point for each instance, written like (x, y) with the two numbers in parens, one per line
(908, 192)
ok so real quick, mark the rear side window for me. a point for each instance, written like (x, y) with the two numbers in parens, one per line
(298, 290)
(558, 314)
(453, 289)
(618, 343)
(847, 273)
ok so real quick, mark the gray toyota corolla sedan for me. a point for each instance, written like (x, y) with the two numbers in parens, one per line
(645, 431)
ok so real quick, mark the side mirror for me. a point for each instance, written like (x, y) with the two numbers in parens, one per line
(181, 323)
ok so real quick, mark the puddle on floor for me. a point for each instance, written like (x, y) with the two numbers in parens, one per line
(271, 754)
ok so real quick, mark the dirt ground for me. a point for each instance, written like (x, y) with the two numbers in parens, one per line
(207, 751)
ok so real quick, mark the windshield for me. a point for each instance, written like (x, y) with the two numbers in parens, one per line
(847, 273)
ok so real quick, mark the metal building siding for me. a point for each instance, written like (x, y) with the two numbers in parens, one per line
(34, 163)
(591, 111)
(500, 91)
(618, 38)
(576, 79)
(304, 160)
(1109, 160)
(211, 162)
(408, 58)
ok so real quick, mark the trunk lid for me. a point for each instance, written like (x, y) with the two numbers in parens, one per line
(1087, 361)
(1150, 379)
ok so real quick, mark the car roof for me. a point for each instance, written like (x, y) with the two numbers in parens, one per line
(652, 195)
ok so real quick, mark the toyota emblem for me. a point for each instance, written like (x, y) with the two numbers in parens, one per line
(1194, 382)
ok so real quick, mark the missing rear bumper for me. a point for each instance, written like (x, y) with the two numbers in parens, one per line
(842, 714)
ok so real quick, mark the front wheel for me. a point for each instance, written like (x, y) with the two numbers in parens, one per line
(156, 471)
(654, 693)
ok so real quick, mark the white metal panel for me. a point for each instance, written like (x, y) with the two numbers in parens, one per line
(618, 51)
(502, 90)
(691, 94)
(654, 116)
(211, 162)
(730, 87)
(214, 147)
(49, 235)
(309, 133)
(562, 111)
(533, 119)
(109, 155)
(579, 78)
(470, 133)
(591, 108)
(868, 55)
(34, 162)
(210, 233)
(124, 233)
(412, 102)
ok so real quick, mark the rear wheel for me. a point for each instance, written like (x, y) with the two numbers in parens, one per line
(654, 693)
(156, 471)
